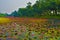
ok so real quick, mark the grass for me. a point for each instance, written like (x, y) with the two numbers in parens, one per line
(51, 16)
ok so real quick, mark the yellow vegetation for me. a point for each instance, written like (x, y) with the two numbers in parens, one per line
(4, 20)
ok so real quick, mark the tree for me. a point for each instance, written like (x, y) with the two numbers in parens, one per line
(14, 14)
(29, 5)
(41, 7)
(3, 14)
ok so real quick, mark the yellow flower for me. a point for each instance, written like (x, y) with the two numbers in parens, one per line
(51, 39)
(46, 34)
(49, 31)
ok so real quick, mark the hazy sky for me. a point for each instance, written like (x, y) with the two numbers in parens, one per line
(7, 6)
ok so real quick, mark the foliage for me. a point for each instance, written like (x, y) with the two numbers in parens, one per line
(3, 14)
(40, 8)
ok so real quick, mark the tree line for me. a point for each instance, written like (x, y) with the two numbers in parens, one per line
(40, 8)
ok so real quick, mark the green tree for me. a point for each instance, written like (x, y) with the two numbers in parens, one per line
(3, 14)
(14, 14)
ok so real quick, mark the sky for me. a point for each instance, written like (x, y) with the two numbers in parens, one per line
(8, 6)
